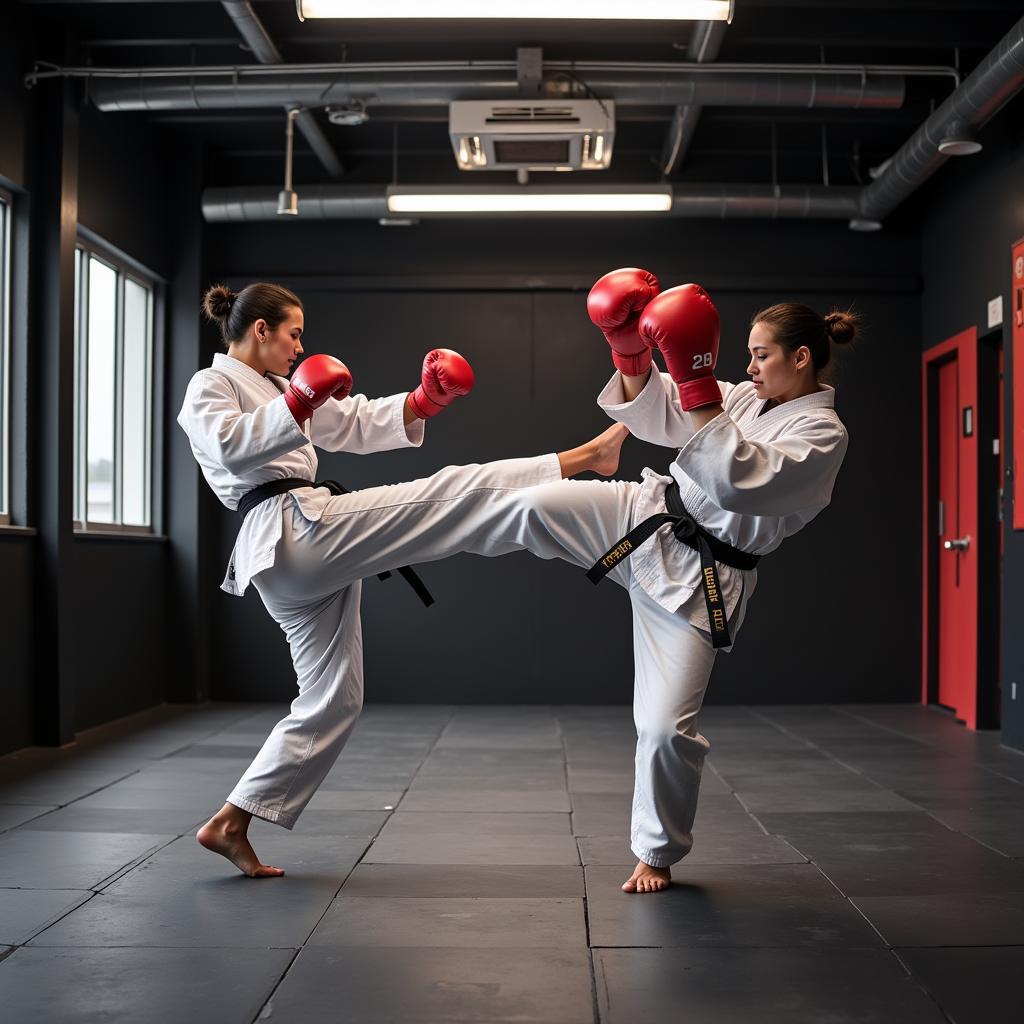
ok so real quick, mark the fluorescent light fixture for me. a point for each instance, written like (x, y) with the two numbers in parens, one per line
(410, 199)
(472, 10)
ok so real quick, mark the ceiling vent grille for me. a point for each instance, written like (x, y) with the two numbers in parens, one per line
(532, 135)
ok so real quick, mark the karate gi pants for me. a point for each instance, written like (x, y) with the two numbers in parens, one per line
(313, 591)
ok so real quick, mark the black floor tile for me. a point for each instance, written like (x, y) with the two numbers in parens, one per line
(449, 848)
(444, 880)
(23, 912)
(973, 985)
(914, 863)
(75, 818)
(476, 823)
(464, 922)
(504, 801)
(526, 986)
(729, 906)
(947, 919)
(769, 986)
(12, 815)
(69, 860)
(138, 986)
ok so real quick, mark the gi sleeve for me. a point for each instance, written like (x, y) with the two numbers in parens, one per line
(361, 425)
(656, 414)
(238, 441)
(770, 478)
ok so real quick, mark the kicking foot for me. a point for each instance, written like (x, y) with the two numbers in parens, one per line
(647, 879)
(228, 838)
(607, 447)
(601, 455)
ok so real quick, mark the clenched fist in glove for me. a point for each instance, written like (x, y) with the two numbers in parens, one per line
(683, 324)
(615, 304)
(446, 375)
(314, 381)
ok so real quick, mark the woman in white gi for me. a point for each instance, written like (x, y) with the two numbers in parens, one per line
(756, 461)
(305, 550)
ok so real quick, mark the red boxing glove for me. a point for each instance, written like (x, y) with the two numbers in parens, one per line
(446, 375)
(314, 381)
(683, 323)
(615, 304)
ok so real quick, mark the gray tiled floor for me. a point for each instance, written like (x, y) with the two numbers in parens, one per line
(463, 864)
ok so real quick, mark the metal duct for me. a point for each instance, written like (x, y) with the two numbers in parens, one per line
(338, 202)
(992, 83)
(316, 202)
(706, 42)
(315, 86)
(251, 29)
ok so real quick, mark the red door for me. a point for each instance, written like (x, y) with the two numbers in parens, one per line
(950, 649)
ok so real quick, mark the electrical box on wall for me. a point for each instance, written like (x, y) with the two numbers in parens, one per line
(1017, 324)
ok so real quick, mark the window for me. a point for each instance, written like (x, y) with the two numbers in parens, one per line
(113, 394)
(5, 358)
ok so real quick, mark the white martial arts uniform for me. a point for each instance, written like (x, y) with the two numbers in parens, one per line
(749, 480)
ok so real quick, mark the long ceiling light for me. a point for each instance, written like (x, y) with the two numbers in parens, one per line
(443, 200)
(585, 10)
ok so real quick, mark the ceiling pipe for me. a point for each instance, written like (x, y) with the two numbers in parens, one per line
(706, 41)
(256, 37)
(126, 89)
(369, 202)
(993, 83)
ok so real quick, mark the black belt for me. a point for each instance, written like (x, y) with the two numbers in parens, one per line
(273, 487)
(686, 529)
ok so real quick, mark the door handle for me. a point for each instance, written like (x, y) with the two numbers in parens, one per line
(960, 544)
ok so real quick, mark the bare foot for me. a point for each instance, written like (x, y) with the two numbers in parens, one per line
(600, 455)
(607, 447)
(647, 879)
(225, 833)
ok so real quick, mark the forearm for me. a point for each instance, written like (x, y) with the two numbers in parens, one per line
(408, 414)
(704, 415)
(632, 386)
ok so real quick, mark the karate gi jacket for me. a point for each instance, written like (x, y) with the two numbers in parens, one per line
(243, 434)
(749, 479)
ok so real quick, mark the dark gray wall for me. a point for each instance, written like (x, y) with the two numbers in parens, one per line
(974, 213)
(117, 638)
(532, 631)
(16, 599)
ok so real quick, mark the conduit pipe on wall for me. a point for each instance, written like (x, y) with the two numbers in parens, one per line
(996, 80)
(339, 202)
(251, 29)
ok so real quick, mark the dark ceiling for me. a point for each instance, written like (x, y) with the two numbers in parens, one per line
(731, 144)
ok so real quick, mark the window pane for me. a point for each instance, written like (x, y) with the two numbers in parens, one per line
(100, 389)
(5, 291)
(135, 442)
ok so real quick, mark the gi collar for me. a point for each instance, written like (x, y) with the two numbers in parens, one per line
(823, 398)
(222, 361)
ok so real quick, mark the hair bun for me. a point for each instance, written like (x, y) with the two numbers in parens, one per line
(217, 302)
(842, 326)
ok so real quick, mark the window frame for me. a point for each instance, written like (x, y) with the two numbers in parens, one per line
(6, 341)
(90, 247)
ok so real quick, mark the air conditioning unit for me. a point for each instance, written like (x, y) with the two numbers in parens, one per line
(532, 135)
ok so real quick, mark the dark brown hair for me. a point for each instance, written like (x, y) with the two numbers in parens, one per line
(235, 312)
(794, 324)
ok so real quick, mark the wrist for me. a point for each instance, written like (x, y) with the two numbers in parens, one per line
(422, 405)
(299, 409)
